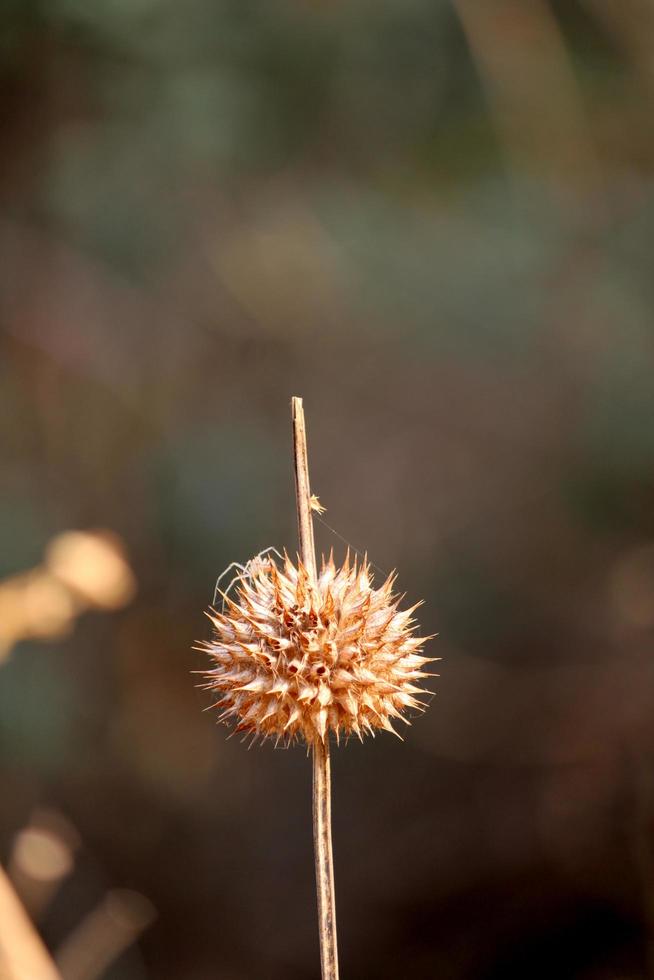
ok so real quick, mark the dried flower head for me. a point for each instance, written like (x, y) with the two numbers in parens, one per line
(293, 658)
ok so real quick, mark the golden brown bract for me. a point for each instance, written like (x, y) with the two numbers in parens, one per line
(294, 658)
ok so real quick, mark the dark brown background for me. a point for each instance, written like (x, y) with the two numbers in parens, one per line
(435, 223)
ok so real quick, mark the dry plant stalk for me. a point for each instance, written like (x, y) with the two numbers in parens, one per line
(104, 934)
(23, 955)
(322, 809)
(301, 653)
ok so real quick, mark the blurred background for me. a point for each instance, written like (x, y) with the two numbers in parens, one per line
(434, 221)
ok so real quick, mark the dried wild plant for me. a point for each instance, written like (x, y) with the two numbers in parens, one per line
(296, 658)
(299, 654)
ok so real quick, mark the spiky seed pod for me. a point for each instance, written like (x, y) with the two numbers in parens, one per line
(294, 658)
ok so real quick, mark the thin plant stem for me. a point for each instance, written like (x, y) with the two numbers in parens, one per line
(322, 843)
(303, 489)
(22, 952)
(322, 823)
